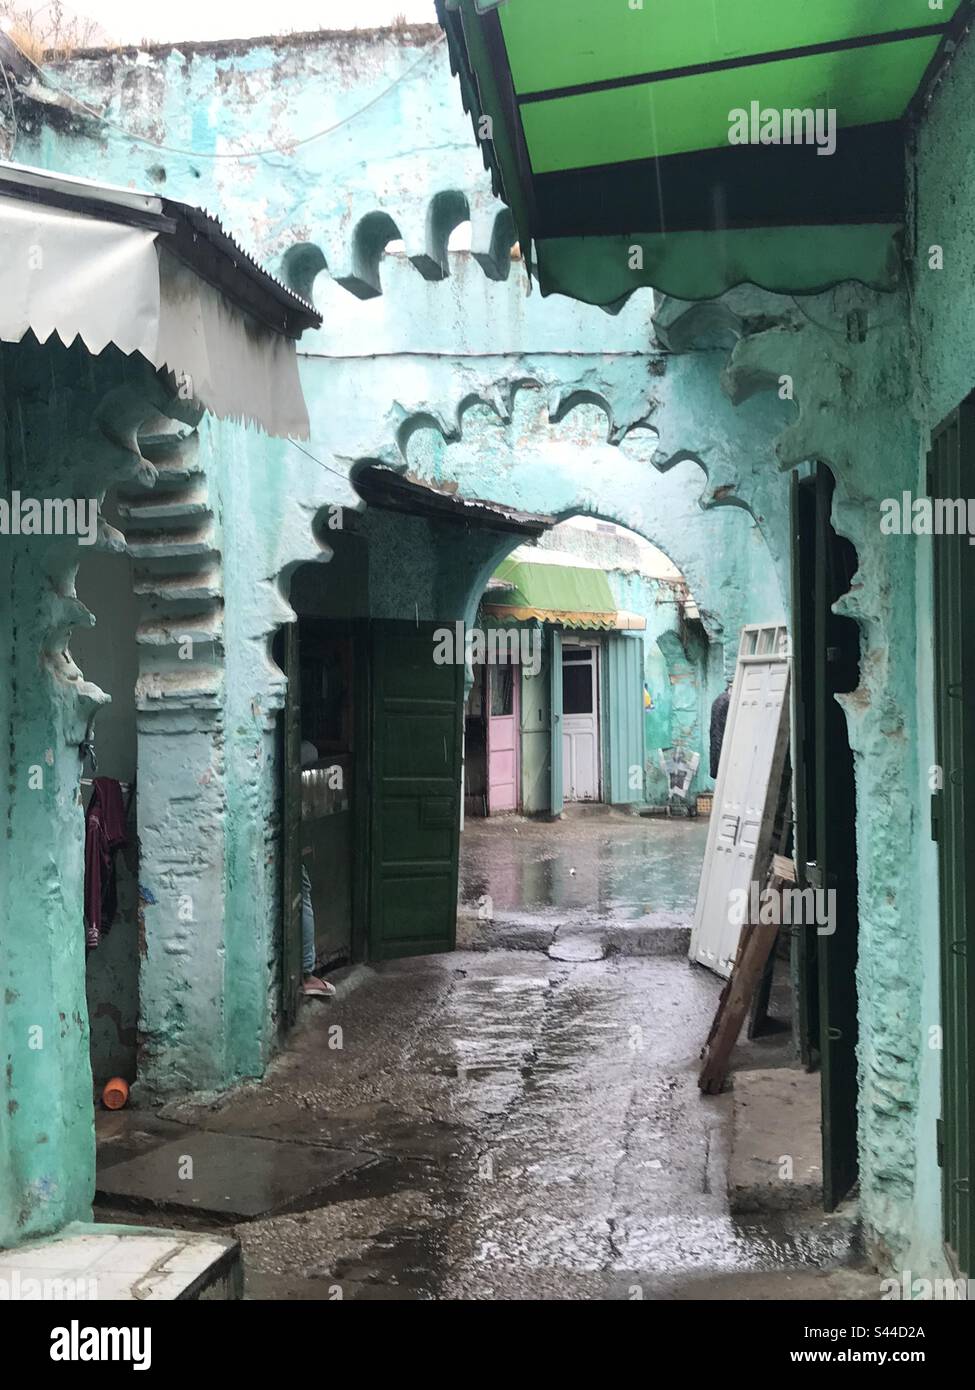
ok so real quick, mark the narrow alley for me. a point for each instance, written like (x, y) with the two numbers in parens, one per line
(487, 662)
(516, 1121)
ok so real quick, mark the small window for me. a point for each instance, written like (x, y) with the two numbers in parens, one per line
(502, 691)
(577, 688)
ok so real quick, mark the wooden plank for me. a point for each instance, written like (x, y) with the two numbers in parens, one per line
(783, 868)
(756, 946)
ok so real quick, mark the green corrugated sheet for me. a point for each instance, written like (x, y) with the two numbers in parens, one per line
(554, 588)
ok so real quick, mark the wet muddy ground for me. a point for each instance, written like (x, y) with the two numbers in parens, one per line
(496, 1125)
(597, 863)
(492, 1124)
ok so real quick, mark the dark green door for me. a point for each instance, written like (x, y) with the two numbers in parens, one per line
(827, 655)
(415, 787)
(950, 467)
(291, 944)
(805, 948)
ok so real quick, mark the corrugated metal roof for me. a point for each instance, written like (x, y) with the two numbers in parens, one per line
(194, 235)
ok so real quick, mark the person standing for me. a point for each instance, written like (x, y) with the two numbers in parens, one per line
(312, 983)
(719, 720)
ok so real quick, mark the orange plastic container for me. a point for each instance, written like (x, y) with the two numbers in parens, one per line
(115, 1094)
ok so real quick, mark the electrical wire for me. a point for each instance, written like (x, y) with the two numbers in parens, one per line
(212, 154)
(338, 473)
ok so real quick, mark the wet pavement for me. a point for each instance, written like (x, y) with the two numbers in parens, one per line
(597, 863)
(523, 1128)
(599, 882)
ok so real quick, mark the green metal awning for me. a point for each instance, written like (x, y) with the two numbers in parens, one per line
(569, 595)
(646, 142)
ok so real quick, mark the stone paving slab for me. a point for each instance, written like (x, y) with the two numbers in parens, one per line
(776, 1157)
(232, 1176)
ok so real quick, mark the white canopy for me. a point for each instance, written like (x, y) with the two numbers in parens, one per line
(105, 265)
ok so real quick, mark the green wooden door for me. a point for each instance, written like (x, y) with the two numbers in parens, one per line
(557, 766)
(291, 942)
(950, 467)
(415, 788)
(826, 655)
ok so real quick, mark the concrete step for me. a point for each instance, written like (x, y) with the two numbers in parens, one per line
(182, 506)
(164, 630)
(87, 1261)
(656, 934)
(203, 586)
(776, 1155)
(168, 545)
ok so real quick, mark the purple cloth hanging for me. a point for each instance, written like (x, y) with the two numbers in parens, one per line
(104, 836)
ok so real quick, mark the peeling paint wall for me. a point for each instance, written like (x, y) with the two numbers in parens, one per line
(61, 438)
(943, 329)
(455, 372)
(688, 449)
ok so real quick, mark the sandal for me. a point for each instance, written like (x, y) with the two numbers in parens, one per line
(314, 986)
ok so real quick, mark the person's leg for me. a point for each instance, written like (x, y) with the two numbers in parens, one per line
(312, 984)
(307, 924)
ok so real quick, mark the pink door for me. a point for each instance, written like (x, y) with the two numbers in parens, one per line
(503, 720)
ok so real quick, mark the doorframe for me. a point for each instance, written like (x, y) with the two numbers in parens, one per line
(290, 774)
(953, 830)
(592, 640)
(826, 664)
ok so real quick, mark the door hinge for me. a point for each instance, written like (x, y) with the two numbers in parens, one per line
(939, 1130)
(936, 816)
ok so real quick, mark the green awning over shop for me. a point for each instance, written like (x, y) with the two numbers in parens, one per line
(570, 596)
(683, 145)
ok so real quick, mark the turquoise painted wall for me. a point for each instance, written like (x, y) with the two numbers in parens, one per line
(943, 301)
(60, 438)
(687, 449)
(454, 372)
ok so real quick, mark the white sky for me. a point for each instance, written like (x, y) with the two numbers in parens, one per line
(131, 21)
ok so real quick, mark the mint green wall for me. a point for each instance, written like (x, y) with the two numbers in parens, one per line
(464, 380)
(943, 325)
(689, 448)
(62, 436)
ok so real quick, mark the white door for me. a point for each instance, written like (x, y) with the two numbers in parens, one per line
(754, 738)
(580, 724)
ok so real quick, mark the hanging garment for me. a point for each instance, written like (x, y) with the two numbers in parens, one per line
(104, 836)
(719, 718)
